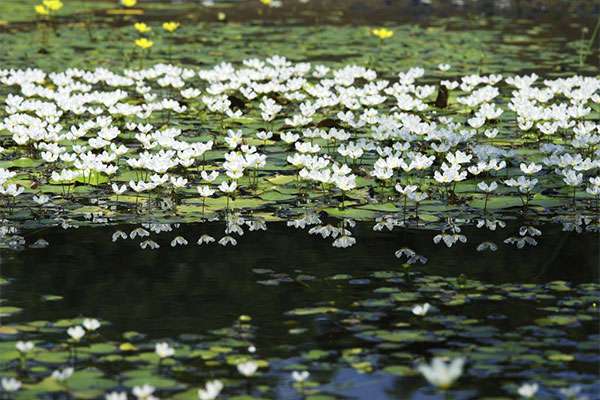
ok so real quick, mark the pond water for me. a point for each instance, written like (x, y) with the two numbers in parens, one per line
(360, 287)
(344, 313)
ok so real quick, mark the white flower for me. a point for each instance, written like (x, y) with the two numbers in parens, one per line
(12, 190)
(300, 376)
(143, 392)
(442, 374)
(488, 188)
(76, 333)
(62, 375)
(91, 324)
(211, 390)
(205, 191)
(530, 169)
(228, 187)
(571, 178)
(262, 135)
(118, 189)
(163, 350)
(444, 67)
(417, 197)
(528, 390)
(406, 190)
(178, 182)
(421, 310)
(10, 384)
(116, 396)
(209, 177)
(41, 199)
(247, 368)
(24, 347)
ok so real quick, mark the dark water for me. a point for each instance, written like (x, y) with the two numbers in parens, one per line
(170, 291)
(193, 289)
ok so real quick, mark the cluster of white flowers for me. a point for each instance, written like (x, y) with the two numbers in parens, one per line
(338, 125)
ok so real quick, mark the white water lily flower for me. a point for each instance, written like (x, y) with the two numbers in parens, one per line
(488, 188)
(143, 392)
(264, 135)
(116, 396)
(12, 190)
(247, 368)
(228, 187)
(211, 390)
(421, 310)
(572, 178)
(442, 374)
(405, 190)
(178, 182)
(163, 350)
(300, 376)
(530, 169)
(76, 333)
(209, 176)
(528, 390)
(205, 191)
(10, 384)
(62, 375)
(490, 133)
(41, 199)
(24, 347)
(417, 197)
(91, 324)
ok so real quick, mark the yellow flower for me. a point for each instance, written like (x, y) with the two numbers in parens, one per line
(221, 16)
(170, 26)
(41, 9)
(129, 3)
(382, 33)
(53, 5)
(266, 2)
(141, 27)
(144, 43)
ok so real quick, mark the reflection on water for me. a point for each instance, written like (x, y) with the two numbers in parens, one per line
(180, 283)
(360, 318)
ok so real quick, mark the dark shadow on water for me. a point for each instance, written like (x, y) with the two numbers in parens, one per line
(194, 288)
